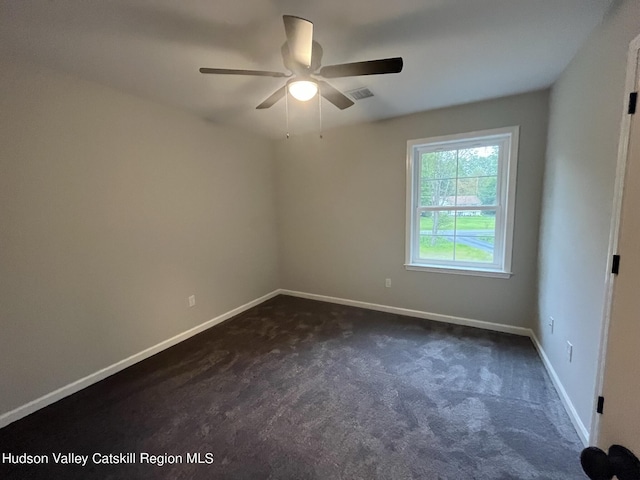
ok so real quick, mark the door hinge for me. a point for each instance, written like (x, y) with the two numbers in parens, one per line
(633, 100)
(600, 407)
(615, 265)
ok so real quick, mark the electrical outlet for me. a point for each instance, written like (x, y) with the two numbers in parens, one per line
(569, 351)
(551, 323)
(192, 301)
(387, 282)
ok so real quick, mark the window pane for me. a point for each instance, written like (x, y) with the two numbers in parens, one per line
(436, 223)
(437, 193)
(475, 236)
(474, 248)
(440, 164)
(436, 247)
(482, 224)
(488, 190)
(473, 191)
(478, 161)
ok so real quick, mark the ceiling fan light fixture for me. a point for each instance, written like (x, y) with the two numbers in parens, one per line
(303, 90)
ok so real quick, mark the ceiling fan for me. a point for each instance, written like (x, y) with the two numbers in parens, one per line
(302, 56)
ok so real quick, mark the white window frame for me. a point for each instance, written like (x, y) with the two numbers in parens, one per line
(505, 201)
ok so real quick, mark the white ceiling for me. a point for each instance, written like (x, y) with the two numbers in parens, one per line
(455, 51)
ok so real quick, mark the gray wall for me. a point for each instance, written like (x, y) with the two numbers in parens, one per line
(114, 210)
(585, 111)
(341, 210)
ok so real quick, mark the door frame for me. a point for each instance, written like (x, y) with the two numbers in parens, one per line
(633, 71)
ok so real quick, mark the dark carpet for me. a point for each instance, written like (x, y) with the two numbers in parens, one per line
(300, 389)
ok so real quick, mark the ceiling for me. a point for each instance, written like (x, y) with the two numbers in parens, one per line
(455, 51)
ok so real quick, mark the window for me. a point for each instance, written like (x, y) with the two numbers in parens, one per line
(460, 202)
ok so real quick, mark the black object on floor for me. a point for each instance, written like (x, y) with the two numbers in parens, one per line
(620, 462)
(624, 463)
(595, 464)
(300, 389)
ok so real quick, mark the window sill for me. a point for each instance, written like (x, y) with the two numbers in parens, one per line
(476, 272)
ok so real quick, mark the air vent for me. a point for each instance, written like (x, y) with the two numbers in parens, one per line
(360, 93)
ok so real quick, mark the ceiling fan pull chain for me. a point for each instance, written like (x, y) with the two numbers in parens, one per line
(286, 109)
(320, 109)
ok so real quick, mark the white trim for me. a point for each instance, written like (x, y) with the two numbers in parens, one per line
(438, 317)
(614, 233)
(510, 203)
(60, 393)
(582, 431)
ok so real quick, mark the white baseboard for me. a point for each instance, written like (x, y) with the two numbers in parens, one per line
(48, 399)
(469, 322)
(582, 431)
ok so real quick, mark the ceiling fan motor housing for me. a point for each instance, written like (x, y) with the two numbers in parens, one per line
(297, 68)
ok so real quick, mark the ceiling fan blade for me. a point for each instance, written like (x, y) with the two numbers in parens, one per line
(258, 73)
(299, 39)
(370, 67)
(275, 96)
(336, 97)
